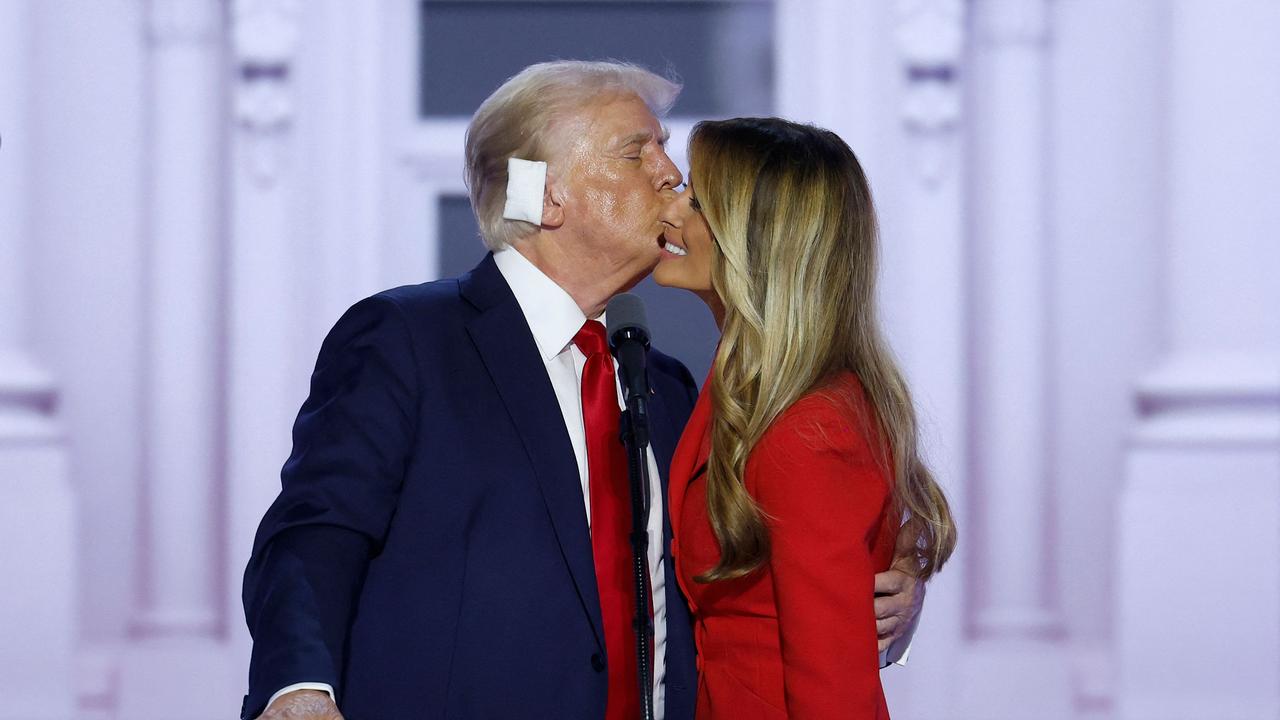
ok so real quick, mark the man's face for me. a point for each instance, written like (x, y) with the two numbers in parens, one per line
(619, 180)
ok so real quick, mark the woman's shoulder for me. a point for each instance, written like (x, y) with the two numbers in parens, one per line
(839, 399)
(833, 416)
(824, 447)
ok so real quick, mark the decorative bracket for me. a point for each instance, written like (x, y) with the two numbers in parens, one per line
(930, 39)
(265, 40)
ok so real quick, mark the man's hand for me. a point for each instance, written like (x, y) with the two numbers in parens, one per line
(899, 598)
(302, 705)
(899, 593)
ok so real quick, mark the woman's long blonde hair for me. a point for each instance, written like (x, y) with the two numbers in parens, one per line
(796, 266)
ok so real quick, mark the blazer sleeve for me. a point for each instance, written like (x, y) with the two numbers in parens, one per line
(824, 496)
(351, 442)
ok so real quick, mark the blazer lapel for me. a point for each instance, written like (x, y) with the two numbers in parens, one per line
(502, 337)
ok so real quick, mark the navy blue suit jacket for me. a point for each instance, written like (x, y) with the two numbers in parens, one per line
(428, 555)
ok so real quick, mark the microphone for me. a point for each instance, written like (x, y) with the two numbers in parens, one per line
(629, 337)
(628, 332)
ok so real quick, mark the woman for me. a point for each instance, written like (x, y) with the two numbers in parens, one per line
(800, 460)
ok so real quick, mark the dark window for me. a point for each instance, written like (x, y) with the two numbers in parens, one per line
(721, 51)
(460, 245)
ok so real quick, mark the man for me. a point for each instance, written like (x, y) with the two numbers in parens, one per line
(442, 544)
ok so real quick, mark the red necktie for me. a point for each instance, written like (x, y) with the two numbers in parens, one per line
(610, 519)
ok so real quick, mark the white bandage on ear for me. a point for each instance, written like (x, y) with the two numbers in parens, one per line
(526, 182)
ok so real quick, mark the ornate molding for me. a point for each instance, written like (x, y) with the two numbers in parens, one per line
(264, 41)
(930, 39)
(1011, 22)
(182, 22)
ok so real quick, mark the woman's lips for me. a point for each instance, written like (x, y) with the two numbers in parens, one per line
(670, 247)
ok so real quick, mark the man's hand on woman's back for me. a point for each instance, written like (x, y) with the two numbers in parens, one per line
(899, 598)
(899, 593)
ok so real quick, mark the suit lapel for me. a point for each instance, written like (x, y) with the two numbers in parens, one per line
(691, 453)
(663, 435)
(502, 337)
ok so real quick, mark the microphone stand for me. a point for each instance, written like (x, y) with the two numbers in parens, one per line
(629, 338)
(635, 436)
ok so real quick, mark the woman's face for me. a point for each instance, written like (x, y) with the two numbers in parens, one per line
(687, 246)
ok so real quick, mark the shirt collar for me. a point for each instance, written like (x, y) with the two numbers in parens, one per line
(553, 316)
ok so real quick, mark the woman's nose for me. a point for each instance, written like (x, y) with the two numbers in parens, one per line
(672, 212)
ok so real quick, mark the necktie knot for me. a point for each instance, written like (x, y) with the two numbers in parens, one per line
(591, 338)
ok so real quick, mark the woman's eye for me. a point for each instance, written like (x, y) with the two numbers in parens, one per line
(693, 203)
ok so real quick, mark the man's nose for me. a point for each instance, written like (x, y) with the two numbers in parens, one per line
(669, 175)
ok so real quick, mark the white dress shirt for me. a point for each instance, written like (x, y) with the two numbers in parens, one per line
(554, 318)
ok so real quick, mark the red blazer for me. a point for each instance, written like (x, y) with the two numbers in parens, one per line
(797, 637)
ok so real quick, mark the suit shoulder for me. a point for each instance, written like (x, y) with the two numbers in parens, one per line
(429, 308)
(430, 315)
(667, 365)
(431, 295)
(672, 378)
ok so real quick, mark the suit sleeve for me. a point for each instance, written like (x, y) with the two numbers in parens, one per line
(815, 478)
(339, 488)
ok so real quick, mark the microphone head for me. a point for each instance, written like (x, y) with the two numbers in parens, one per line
(625, 316)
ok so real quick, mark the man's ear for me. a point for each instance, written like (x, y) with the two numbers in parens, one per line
(552, 204)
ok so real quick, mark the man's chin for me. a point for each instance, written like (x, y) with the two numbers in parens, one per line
(640, 271)
(649, 262)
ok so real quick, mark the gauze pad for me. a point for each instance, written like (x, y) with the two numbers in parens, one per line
(526, 183)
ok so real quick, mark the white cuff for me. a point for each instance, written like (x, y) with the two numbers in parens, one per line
(304, 686)
(898, 651)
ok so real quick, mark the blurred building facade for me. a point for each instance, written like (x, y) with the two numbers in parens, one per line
(1080, 235)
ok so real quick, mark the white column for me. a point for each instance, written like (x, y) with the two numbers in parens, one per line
(1199, 520)
(1010, 241)
(827, 62)
(37, 561)
(1108, 103)
(920, 200)
(180, 657)
(1017, 665)
(182, 452)
(269, 361)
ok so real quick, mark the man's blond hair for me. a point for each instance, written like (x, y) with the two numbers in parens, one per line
(516, 121)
